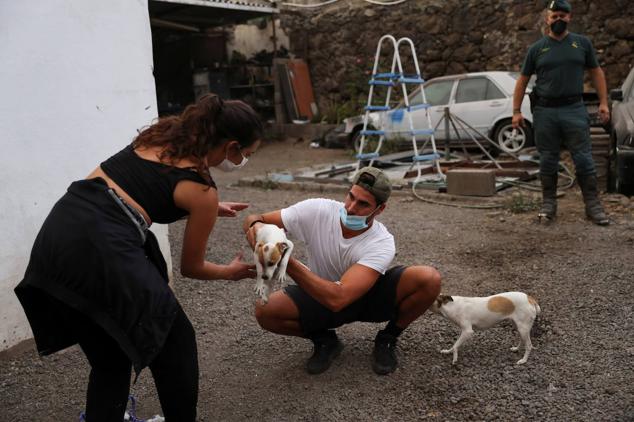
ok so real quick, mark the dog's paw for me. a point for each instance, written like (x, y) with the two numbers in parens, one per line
(260, 290)
(521, 361)
(446, 351)
(263, 292)
(514, 349)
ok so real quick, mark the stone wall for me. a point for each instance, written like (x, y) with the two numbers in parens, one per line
(451, 36)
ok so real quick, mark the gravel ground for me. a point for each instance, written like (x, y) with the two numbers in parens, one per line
(581, 368)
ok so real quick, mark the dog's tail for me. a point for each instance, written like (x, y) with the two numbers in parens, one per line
(533, 302)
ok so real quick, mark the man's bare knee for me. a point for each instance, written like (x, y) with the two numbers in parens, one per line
(433, 282)
(425, 279)
(262, 316)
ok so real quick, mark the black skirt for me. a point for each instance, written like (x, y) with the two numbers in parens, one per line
(89, 257)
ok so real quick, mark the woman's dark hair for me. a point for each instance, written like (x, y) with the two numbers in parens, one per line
(199, 128)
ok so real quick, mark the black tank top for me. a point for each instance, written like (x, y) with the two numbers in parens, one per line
(151, 184)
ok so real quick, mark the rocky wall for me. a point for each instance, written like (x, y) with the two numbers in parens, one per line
(451, 36)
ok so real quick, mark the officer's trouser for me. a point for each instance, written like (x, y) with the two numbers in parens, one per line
(567, 126)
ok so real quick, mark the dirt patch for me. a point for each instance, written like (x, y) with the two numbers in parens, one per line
(579, 273)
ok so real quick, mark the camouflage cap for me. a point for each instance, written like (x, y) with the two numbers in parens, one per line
(374, 181)
(559, 5)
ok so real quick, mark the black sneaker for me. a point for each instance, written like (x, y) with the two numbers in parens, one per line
(384, 354)
(324, 353)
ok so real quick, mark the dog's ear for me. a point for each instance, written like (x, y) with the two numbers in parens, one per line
(442, 299)
(259, 248)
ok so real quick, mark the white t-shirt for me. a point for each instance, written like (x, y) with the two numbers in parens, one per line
(316, 222)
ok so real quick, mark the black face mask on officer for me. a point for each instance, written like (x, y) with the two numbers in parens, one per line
(558, 27)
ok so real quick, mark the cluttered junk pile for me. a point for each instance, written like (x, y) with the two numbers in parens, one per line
(423, 166)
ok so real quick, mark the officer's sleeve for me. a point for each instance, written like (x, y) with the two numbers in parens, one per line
(591, 57)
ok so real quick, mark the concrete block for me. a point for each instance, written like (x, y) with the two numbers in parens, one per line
(471, 182)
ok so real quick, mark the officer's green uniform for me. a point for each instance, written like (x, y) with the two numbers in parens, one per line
(560, 115)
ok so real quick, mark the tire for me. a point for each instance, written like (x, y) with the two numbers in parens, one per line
(355, 139)
(612, 165)
(503, 136)
(623, 183)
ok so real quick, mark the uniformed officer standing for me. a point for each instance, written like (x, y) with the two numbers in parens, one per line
(560, 117)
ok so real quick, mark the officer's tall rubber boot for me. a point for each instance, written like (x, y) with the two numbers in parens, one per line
(594, 209)
(549, 197)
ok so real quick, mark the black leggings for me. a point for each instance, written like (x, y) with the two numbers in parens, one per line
(175, 372)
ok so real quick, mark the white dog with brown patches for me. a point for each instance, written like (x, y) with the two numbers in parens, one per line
(480, 313)
(271, 254)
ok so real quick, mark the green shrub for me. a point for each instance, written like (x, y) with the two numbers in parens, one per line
(520, 203)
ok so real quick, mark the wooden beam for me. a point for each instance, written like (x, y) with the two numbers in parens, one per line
(173, 25)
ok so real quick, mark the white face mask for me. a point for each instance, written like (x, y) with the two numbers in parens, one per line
(227, 165)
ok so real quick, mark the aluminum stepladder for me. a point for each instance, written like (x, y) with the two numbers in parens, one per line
(392, 79)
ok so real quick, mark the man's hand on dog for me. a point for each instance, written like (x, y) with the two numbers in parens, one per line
(251, 234)
(230, 209)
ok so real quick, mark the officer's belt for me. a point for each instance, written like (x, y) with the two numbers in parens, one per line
(558, 102)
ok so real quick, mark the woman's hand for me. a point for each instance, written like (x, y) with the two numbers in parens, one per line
(238, 269)
(230, 209)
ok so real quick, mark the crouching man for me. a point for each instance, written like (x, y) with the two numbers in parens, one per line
(348, 277)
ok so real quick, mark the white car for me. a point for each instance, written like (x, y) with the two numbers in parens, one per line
(484, 100)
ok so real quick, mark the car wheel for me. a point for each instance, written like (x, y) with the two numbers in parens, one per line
(612, 164)
(355, 140)
(619, 187)
(512, 140)
(623, 183)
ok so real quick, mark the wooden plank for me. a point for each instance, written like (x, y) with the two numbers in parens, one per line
(302, 87)
(287, 91)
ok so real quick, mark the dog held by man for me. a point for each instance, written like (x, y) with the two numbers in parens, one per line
(271, 254)
(480, 313)
(349, 275)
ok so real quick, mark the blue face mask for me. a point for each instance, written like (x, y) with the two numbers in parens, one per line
(354, 222)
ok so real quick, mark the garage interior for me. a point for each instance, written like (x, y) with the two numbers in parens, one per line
(189, 41)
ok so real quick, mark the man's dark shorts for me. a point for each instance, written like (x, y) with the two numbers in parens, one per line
(377, 305)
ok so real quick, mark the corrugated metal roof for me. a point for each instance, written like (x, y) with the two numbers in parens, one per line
(252, 6)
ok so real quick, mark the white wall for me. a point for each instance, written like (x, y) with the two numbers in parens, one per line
(250, 39)
(76, 82)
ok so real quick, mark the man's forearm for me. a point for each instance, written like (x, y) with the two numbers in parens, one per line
(598, 80)
(518, 93)
(326, 292)
(250, 220)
